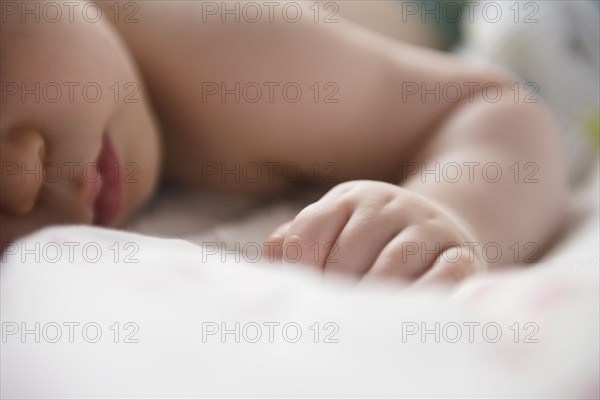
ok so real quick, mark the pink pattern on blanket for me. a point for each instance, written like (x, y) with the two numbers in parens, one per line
(549, 297)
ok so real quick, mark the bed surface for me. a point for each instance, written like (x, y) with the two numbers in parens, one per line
(370, 341)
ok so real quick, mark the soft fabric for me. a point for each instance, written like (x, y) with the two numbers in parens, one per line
(169, 291)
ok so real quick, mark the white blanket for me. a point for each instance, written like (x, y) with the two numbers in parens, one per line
(143, 317)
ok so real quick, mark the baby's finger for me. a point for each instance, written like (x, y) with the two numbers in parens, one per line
(273, 244)
(453, 265)
(313, 233)
(362, 239)
(409, 254)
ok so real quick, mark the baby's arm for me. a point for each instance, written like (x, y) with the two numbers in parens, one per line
(376, 130)
(486, 190)
(361, 121)
(512, 184)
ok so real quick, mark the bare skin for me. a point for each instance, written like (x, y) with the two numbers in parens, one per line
(385, 220)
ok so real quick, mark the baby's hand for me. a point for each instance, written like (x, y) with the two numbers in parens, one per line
(370, 229)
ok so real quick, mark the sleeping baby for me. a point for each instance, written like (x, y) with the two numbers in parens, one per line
(434, 168)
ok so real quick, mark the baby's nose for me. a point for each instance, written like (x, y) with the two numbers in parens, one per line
(22, 155)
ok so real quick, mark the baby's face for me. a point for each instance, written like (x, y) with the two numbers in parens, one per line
(72, 106)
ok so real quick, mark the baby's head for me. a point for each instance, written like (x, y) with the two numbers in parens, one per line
(72, 103)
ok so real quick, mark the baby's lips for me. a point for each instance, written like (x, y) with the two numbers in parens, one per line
(23, 153)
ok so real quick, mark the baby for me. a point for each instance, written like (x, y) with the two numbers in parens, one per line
(436, 168)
